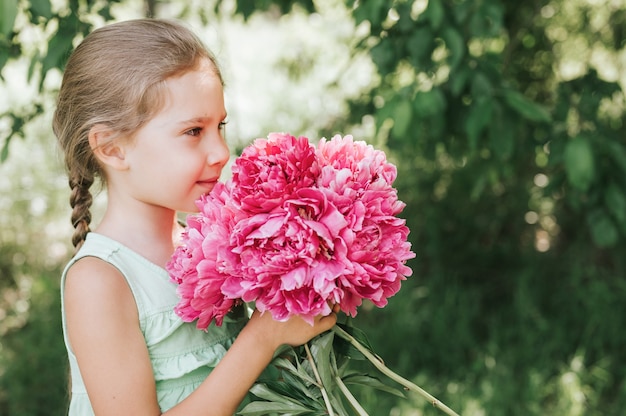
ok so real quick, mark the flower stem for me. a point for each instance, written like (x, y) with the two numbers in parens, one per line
(353, 401)
(329, 407)
(397, 378)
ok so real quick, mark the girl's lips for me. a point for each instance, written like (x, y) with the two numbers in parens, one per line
(208, 183)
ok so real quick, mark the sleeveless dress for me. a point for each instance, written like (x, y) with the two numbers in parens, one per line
(182, 356)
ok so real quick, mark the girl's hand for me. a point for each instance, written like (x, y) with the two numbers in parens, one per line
(295, 331)
(251, 352)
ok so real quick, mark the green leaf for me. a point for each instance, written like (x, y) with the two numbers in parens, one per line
(478, 117)
(321, 349)
(41, 8)
(458, 81)
(420, 44)
(617, 153)
(8, 12)
(245, 7)
(456, 44)
(262, 391)
(369, 381)
(501, 134)
(479, 187)
(105, 12)
(357, 334)
(300, 371)
(336, 401)
(33, 66)
(603, 231)
(258, 408)
(487, 20)
(59, 49)
(4, 153)
(579, 163)
(525, 107)
(345, 348)
(303, 390)
(372, 11)
(481, 85)
(429, 103)
(4, 58)
(307, 396)
(403, 112)
(377, 11)
(383, 56)
(434, 13)
(286, 366)
(615, 202)
(284, 363)
(405, 23)
(461, 10)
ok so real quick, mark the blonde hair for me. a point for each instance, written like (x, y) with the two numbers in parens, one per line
(115, 77)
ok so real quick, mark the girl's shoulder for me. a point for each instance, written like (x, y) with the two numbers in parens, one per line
(130, 264)
(92, 271)
(98, 303)
(92, 285)
(109, 263)
(94, 274)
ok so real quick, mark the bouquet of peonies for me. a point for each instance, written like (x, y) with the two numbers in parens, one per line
(298, 227)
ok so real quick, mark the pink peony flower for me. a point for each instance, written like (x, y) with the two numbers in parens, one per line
(271, 169)
(203, 262)
(295, 228)
(292, 257)
(367, 167)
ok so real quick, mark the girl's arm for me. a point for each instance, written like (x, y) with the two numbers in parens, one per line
(103, 329)
(252, 351)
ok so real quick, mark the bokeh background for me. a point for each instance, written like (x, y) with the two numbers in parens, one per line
(505, 119)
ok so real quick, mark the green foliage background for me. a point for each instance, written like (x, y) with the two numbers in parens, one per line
(513, 168)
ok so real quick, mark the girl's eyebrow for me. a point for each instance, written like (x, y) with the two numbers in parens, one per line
(201, 119)
(194, 120)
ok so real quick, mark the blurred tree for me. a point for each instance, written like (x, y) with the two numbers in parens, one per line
(61, 26)
(511, 159)
(33, 363)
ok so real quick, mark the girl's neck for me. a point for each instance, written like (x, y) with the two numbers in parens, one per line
(153, 233)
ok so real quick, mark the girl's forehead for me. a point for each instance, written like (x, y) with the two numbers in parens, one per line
(203, 68)
(197, 93)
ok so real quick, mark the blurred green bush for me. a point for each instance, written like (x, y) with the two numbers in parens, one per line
(506, 121)
(33, 362)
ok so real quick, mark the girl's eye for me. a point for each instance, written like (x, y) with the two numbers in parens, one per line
(222, 125)
(194, 132)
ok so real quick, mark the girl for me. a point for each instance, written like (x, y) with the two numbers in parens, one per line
(141, 107)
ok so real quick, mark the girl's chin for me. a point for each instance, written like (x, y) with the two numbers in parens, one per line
(191, 208)
(206, 186)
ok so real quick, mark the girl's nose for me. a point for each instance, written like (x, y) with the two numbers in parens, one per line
(218, 152)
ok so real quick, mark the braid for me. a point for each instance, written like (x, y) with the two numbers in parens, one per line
(80, 200)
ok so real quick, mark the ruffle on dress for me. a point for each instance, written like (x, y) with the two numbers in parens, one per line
(165, 332)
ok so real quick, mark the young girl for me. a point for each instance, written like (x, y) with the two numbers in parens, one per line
(141, 107)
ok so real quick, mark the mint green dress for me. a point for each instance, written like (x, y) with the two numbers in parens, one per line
(182, 356)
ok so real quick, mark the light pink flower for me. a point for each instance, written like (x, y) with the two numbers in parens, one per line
(366, 166)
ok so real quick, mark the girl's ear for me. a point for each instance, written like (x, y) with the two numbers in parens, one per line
(107, 150)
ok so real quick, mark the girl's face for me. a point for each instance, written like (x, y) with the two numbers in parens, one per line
(179, 154)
